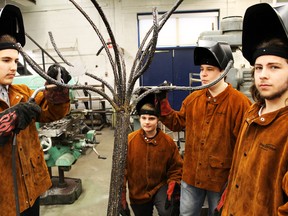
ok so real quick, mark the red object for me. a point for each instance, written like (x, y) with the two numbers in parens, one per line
(221, 202)
(165, 107)
(109, 44)
(170, 190)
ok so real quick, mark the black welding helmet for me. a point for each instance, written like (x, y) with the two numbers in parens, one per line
(11, 22)
(262, 22)
(213, 53)
(147, 105)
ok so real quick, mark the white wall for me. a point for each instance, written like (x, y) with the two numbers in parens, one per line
(79, 43)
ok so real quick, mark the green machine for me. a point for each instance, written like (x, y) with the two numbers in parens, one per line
(63, 142)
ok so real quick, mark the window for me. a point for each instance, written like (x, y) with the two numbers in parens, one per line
(181, 29)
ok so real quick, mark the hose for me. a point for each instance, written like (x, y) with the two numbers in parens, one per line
(14, 174)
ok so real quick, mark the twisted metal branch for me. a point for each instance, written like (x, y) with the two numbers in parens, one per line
(140, 55)
(104, 82)
(101, 39)
(180, 88)
(163, 19)
(116, 51)
(43, 74)
(57, 50)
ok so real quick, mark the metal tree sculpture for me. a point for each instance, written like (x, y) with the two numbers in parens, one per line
(122, 94)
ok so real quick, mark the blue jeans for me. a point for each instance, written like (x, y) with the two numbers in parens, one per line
(192, 200)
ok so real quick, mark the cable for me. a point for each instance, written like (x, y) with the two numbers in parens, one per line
(14, 173)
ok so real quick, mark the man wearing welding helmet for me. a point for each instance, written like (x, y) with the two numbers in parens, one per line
(154, 166)
(23, 172)
(258, 181)
(211, 119)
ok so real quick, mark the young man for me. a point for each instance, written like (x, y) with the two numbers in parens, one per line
(211, 119)
(154, 167)
(22, 184)
(258, 181)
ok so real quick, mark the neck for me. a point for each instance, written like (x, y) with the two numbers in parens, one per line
(218, 88)
(271, 106)
(151, 134)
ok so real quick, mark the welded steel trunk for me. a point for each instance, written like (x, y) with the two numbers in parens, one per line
(118, 162)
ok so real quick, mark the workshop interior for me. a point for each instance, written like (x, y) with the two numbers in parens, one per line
(78, 148)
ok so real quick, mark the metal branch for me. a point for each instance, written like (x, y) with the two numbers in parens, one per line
(57, 50)
(40, 47)
(102, 81)
(43, 74)
(113, 41)
(122, 62)
(163, 19)
(101, 39)
(182, 88)
(150, 52)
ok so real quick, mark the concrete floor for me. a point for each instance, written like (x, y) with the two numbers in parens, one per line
(95, 176)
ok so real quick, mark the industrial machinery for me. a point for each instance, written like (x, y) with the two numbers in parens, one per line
(63, 142)
(231, 32)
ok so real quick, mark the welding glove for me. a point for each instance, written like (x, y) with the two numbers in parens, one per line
(124, 211)
(58, 95)
(18, 117)
(161, 101)
(220, 204)
(173, 198)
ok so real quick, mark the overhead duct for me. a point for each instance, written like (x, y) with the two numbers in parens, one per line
(25, 3)
(230, 32)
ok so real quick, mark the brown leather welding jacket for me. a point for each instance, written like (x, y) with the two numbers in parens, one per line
(151, 163)
(32, 174)
(258, 181)
(211, 127)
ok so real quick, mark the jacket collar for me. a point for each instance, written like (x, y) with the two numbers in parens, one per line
(265, 119)
(155, 140)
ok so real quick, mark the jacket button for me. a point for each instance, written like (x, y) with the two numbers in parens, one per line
(237, 186)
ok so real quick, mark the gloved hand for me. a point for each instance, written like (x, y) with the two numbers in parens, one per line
(162, 94)
(59, 73)
(18, 117)
(220, 204)
(124, 211)
(58, 95)
(173, 197)
(161, 101)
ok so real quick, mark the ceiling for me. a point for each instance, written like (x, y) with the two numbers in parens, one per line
(25, 2)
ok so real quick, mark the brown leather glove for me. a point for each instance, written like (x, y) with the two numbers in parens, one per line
(165, 107)
(161, 100)
(58, 95)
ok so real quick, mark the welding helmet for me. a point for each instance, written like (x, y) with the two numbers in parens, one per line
(11, 22)
(147, 105)
(261, 23)
(213, 53)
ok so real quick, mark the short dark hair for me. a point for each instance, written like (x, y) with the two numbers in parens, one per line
(7, 39)
(275, 42)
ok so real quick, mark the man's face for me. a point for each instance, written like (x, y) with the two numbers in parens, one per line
(8, 65)
(209, 73)
(271, 77)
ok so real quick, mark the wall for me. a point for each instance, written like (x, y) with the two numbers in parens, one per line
(77, 40)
